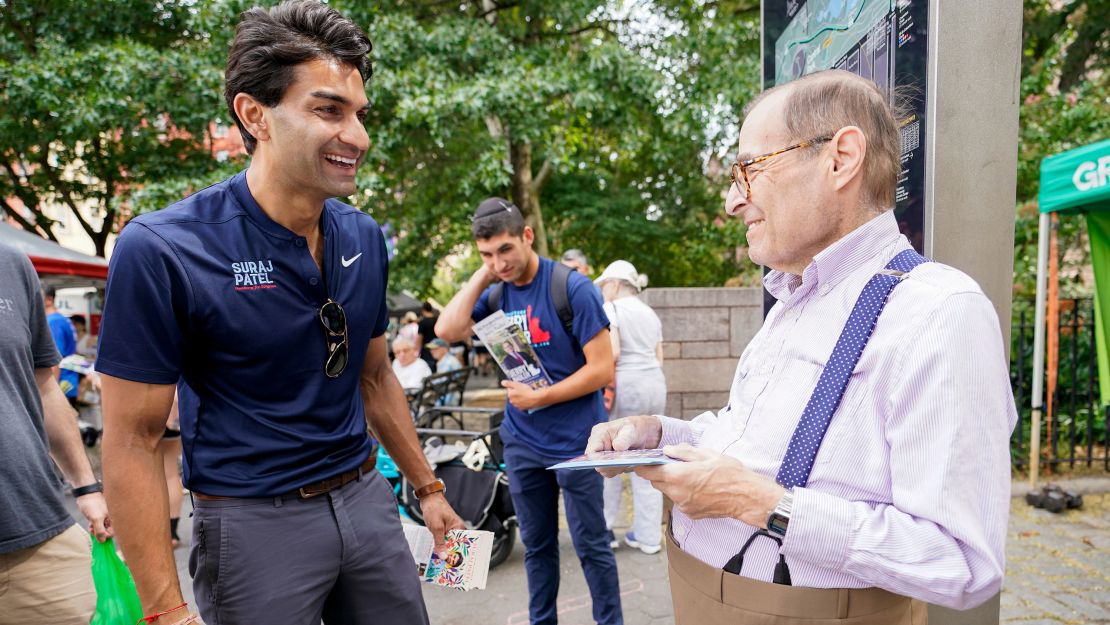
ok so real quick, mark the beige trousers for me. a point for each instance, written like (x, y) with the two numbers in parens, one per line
(50, 582)
(704, 595)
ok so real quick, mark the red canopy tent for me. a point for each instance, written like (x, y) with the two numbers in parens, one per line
(55, 264)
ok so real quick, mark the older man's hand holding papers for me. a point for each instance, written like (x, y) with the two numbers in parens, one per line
(705, 484)
(639, 432)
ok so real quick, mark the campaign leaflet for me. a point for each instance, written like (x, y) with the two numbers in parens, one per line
(508, 345)
(630, 458)
(465, 565)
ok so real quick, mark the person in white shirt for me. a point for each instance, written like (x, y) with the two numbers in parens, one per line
(407, 365)
(637, 337)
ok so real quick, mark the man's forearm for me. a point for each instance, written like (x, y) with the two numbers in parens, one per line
(61, 430)
(388, 416)
(135, 484)
(454, 322)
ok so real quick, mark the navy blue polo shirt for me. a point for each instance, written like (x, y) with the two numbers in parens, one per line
(559, 430)
(213, 294)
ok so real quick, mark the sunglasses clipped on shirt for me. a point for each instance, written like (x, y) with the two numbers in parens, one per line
(335, 326)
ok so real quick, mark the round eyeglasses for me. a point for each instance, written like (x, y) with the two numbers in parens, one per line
(739, 172)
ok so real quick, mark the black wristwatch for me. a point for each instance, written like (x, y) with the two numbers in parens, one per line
(81, 491)
(779, 520)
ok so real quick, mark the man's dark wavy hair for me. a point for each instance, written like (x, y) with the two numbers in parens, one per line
(269, 44)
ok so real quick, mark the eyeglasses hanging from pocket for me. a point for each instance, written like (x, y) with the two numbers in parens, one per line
(782, 571)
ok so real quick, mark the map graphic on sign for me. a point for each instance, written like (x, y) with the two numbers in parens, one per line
(885, 41)
(821, 34)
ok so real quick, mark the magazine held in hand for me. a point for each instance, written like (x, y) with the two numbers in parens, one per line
(508, 345)
(466, 564)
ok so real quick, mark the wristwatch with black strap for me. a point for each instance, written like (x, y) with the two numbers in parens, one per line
(436, 486)
(779, 520)
(81, 491)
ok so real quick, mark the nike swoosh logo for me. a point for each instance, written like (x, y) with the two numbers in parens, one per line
(348, 262)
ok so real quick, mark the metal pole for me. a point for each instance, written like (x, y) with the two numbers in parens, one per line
(1037, 396)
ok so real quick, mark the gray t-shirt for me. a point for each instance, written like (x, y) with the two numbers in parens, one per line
(31, 506)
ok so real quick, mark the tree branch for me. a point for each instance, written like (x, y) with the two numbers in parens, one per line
(24, 223)
(752, 7)
(22, 192)
(541, 178)
(431, 9)
(602, 25)
(1091, 33)
(108, 174)
(495, 9)
(66, 192)
(27, 38)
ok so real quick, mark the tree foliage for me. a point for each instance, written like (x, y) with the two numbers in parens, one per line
(98, 103)
(1065, 91)
(599, 119)
(606, 121)
(609, 121)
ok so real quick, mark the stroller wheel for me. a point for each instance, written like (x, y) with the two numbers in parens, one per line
(504, 538)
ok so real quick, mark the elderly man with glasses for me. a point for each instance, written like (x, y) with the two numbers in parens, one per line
(861, 465)
(263, 299)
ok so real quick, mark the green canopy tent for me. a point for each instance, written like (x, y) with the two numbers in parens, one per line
(1072, 183)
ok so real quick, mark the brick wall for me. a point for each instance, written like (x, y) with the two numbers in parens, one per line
(704, 332)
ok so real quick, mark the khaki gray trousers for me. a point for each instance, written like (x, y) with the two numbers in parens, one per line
(704, 595)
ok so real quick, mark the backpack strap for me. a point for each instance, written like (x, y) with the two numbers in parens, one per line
(493, 300)
(560, 296)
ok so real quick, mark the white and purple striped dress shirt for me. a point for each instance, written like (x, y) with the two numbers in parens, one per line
(910, 489)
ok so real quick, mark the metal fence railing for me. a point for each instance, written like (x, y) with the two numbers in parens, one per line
(1076, 436)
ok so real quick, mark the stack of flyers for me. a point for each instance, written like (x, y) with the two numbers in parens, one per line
(465, 565)
(630, 458)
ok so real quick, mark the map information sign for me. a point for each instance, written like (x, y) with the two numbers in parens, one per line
(883, 40)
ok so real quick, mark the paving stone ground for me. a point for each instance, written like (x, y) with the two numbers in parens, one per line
(1058, 565)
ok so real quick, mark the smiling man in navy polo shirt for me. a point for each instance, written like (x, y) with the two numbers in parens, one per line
(263, 300)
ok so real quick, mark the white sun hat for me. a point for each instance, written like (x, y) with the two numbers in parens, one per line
(623, 270)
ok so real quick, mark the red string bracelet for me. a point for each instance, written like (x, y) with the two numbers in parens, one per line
(154, 617)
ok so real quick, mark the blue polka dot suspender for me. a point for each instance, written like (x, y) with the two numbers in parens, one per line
(802, 451)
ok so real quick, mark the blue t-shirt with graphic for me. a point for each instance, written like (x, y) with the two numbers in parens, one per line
(65, 338)
(560, 429)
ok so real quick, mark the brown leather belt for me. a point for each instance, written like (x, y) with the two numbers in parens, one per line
(309, 491)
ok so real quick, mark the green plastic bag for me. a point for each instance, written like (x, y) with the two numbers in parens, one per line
(117, 601)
